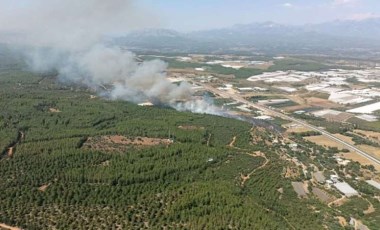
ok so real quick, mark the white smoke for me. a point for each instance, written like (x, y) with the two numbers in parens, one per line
(67, 36)
(71, 24)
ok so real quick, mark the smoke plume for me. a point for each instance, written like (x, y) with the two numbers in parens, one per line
(67, 36)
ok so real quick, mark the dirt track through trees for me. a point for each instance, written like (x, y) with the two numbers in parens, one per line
(244, 178)
(232, 142)
(247, 177)
(209, 139)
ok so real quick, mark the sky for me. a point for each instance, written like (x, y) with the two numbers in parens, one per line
(192, 15)
(189, 15)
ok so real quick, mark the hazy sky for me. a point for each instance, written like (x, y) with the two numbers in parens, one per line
(203, 14)
(186, 15)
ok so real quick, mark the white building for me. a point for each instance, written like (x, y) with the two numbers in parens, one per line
(334, 178)
(367, 117)
(367, 109)
(374, 183)
(346, 189)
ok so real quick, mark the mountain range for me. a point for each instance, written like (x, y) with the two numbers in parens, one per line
(338, 36)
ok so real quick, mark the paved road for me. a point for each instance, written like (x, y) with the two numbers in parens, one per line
(287, 117)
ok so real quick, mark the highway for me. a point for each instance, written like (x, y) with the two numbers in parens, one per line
(272, 112)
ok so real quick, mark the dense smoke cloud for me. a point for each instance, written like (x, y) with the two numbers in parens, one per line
(70, 24)
(67, 36)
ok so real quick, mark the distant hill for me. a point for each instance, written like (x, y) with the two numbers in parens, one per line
(365, 29)
(337, 36)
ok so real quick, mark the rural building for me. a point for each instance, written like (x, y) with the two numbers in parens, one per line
(319, 177)
(334, 178)
(374, 183)
(300, 112)
(346, 189)
(246, 89)
(340, 161)
(367, 117)
(293, 146)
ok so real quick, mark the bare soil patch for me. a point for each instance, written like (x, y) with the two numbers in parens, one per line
(232, 142)
(345, 138)
(292, 172)
(370, 134)
(121, 143)
(296, 128)
(322, 195)
(338, 118)
(7, 227)
(300, 188)
(319, 102)
(338, 202)
(53, 110)
(10, 152)
(362, 160)
(43, 187)
(264, 66)
(370, 209)
(295, 108)
(191, 127)
(324, 141)
(342, 221)
(298, 99)
(374, 151)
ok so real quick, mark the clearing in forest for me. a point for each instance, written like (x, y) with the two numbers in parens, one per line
(10, 152)
(121, 143)
(53, 110)
(191, 127)
(342, 221)
(43, 187)
(301, 189)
